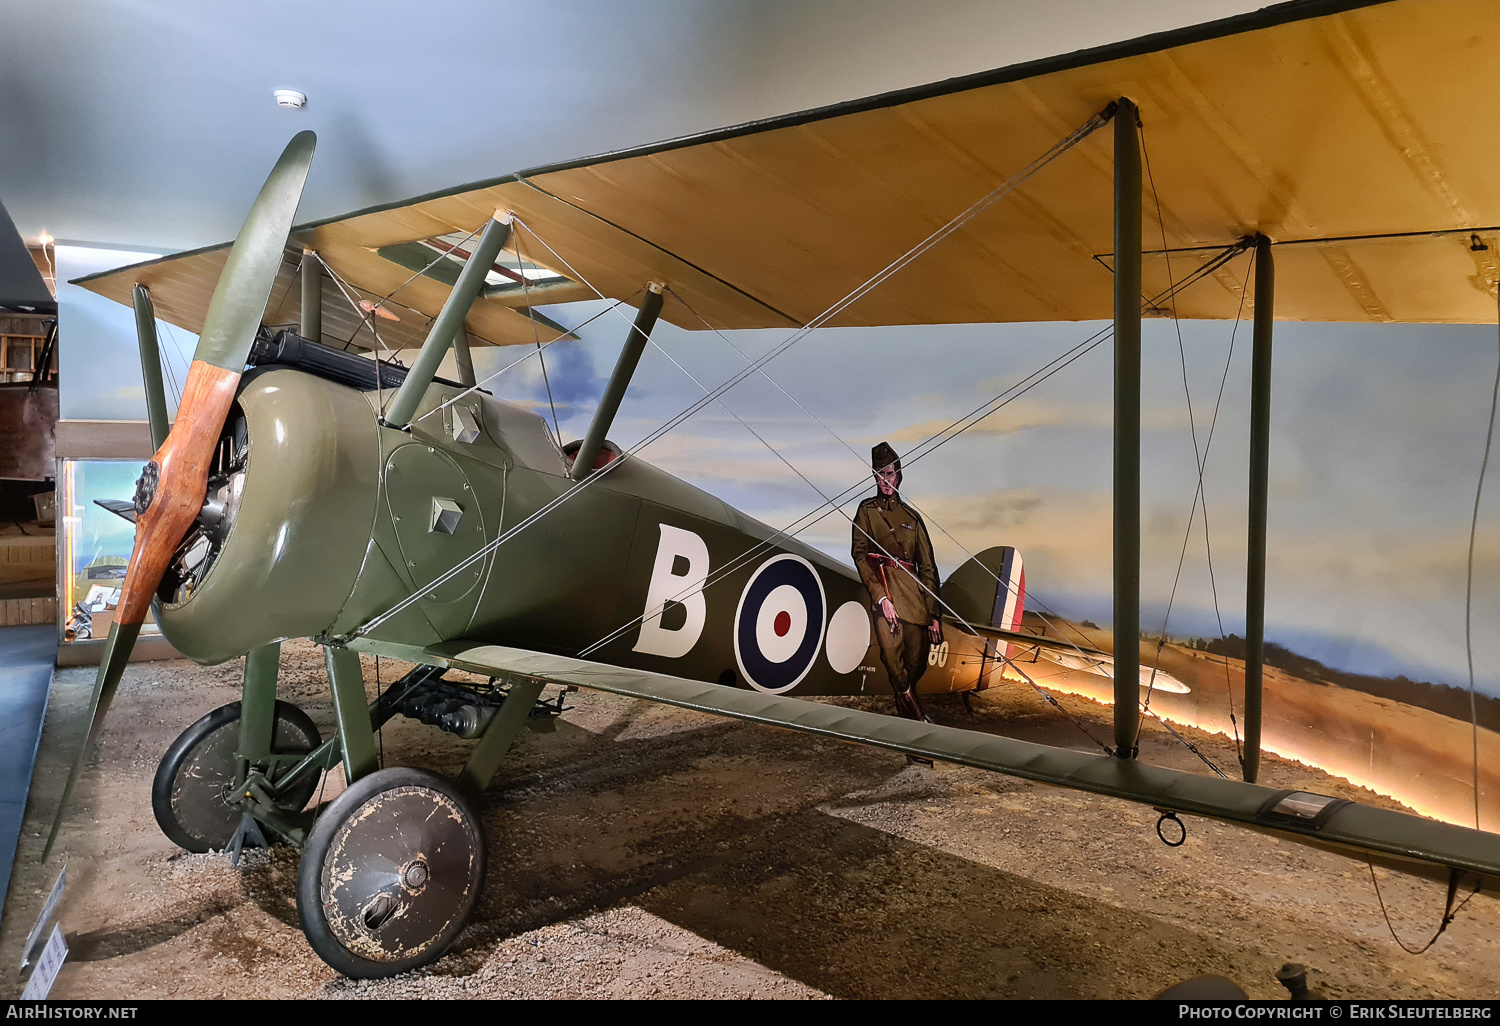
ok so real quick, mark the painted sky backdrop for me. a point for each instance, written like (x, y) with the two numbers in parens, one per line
(1378, 433)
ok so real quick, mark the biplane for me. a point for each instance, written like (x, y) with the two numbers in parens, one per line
(312, 487)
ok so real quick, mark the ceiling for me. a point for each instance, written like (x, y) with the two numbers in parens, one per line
(149, 123)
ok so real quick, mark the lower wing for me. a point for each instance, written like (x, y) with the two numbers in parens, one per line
(1396, 840)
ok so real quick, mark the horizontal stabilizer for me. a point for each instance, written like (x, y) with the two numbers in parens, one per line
(1022, 638)
(1074, 657)
(1400, 841)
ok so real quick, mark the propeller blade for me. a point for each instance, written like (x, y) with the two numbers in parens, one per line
(238, 302)
(170, 493)
(116, 654)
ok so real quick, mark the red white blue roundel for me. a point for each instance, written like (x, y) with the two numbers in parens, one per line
(778, 627)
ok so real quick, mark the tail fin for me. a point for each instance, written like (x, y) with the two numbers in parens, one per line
(990, 589)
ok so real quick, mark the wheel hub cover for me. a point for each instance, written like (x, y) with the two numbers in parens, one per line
(377, 901)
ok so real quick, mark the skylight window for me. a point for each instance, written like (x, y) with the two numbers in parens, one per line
(507, 267)
(443, 257)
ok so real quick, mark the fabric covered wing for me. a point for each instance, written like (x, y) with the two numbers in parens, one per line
(1351, 133)
(1401, 841)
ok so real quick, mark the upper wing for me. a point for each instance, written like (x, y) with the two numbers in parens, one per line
(1400, 840)
(1350, 133)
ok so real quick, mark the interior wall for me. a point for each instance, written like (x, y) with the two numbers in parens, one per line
(99, 369)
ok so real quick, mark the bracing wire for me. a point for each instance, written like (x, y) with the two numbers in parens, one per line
(366, 317)
(853, 452)
(1095, 122)
(908, 459)
(698, 589)
(1449, 912)
(958, 426)
(166, 365)
(829, 504)
(531, 316)
(1200, 462)
(515, 363)
(430, 265)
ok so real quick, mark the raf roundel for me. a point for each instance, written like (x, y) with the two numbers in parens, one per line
(778, 627)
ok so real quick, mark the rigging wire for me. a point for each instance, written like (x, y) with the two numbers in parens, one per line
(531, 316)
(167, 364)
(1449, 912)
(691, 589)
(970, 555)
(366, 317)
(941, 233)
(946, 435)
(1213, 583)
(913, 456)
(827, 502)
(433, 263)
(291, 279)
(1198, 458)
(859, 485)
(1200, 462)
(491, 377)
(1469, 582)
(1011, 586)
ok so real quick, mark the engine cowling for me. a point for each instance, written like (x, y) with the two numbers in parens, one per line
(291, 507)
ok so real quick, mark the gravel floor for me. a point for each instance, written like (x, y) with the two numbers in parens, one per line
(640, 851)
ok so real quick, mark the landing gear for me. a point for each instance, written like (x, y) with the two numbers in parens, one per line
(189, 794)
(390, 874)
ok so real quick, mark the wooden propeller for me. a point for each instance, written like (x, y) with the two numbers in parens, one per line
(173, 485)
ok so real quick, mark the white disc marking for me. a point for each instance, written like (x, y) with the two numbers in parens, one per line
(848, 637)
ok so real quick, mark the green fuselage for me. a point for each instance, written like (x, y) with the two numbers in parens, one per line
(342, 519)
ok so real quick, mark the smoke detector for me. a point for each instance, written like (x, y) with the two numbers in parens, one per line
(291, 99)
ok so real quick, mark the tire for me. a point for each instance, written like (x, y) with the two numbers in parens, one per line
(390, 873)
(187, 795)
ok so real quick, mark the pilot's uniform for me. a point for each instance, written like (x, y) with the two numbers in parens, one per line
(894, 557)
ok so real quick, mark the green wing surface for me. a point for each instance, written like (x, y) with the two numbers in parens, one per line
(1400, 841)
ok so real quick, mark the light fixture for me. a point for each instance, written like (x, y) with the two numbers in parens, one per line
(44, 240)
(291, 99)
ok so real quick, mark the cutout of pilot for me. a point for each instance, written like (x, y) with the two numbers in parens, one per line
(894, 557)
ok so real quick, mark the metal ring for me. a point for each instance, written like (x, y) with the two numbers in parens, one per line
(1180, 826)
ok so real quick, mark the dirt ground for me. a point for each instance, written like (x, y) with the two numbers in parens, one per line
(640, 851)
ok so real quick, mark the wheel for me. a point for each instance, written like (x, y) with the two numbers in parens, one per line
(390, 874)
(189, 790)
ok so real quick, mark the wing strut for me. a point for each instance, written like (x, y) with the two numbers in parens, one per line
(145, 333)
(449, 323)
(1260, 457)
(630, 355)
(1127, 514)
(310, 318)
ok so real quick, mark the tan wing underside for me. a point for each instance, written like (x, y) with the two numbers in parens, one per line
(1371, 122)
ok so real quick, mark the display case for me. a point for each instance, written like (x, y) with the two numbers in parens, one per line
(93, 546)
